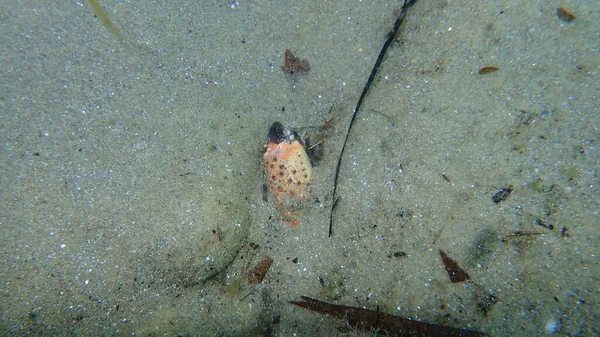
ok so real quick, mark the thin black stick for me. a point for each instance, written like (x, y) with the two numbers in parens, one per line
(388, 41)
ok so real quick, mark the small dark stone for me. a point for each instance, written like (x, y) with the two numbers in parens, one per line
(565, 14)
(502, 194)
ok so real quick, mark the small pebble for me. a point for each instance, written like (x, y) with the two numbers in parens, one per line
(551, 326)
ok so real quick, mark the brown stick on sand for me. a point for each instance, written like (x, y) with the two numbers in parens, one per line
(384, 323)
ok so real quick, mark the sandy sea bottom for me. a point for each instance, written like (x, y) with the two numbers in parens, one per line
(132, 198)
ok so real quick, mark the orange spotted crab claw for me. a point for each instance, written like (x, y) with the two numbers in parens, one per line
(288, 171)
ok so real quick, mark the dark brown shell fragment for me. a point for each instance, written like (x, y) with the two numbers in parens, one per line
(565, 14)
(293, 64)
(488, 69)
(455, 272)
(258, 273)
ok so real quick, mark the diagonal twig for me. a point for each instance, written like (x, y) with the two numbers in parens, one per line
(386, 45)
